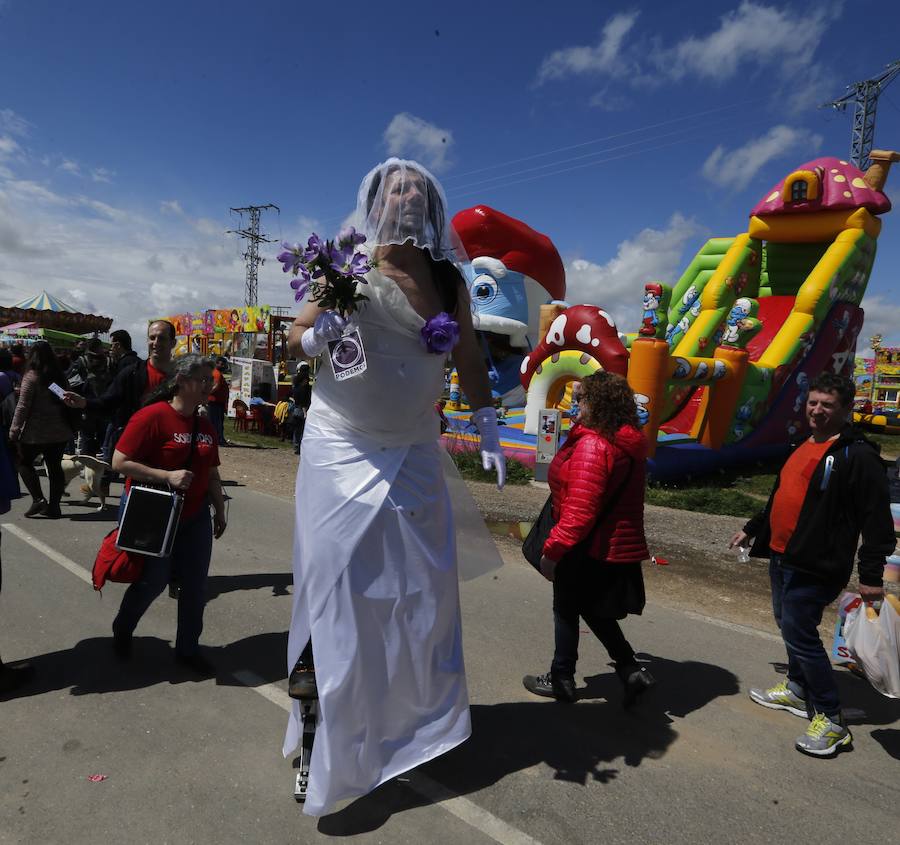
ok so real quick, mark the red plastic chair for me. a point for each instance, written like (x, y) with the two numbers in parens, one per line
(240, 415)
(255, 420)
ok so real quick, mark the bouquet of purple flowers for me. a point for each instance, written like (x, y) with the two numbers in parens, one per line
(329, 270)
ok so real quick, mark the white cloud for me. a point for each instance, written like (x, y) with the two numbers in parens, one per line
(101, 174)
(604, 57)
(79, 299)
(171, 207)
(618, 285)
(751, 34)
(124, 264)
(70, 166)
(8, 147)
(736, 169)
(783, 41)
(408, 135)
(882, 317)
(13, 123)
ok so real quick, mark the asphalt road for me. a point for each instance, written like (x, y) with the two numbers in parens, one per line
(189, 761)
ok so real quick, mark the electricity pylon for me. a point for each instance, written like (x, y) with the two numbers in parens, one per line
(251, 256)
(864, 95)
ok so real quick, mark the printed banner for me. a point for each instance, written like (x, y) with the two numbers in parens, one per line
(221, 321)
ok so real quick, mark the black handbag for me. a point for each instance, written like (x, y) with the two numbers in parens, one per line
(150, 519)
(533, 545)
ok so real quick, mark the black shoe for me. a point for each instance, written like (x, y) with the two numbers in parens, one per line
(637, 682)
(302, 682)
(197, 663)
(51, 512)
(36, 508)
(14, 676)
(560, 687)
(174, 589)
(122, 645)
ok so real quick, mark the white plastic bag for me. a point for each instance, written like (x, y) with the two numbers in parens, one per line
(875, 645)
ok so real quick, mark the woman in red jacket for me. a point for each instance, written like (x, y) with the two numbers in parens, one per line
(594, 551)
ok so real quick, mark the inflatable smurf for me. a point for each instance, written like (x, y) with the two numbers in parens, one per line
(513, 271)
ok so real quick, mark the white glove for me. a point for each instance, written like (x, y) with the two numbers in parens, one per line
(329, 326)
(492, 456)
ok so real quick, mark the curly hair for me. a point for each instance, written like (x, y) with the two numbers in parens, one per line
(831, 383)
(607, 403)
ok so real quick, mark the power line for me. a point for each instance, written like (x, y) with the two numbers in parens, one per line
(605, 138)
(642, 150)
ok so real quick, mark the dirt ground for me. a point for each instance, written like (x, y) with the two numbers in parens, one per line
(701, 574)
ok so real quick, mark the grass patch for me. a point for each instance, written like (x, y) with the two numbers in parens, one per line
(704, 500)
(741, 492)
(255, 440)
(468, 462)
(890, 443)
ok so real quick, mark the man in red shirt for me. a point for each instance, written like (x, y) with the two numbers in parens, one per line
(132, 385)
(832, 490)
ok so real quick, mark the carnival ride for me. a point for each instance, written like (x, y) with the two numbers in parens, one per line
(721, 363)
(45, 317)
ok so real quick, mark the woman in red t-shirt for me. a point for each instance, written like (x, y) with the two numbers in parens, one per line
(155, 447)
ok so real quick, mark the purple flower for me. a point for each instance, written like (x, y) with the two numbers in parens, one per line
(301, 283)
(349, 237)
(299, 289)
(290, 258)
(348, 263)
(315, 247)
(440, 334)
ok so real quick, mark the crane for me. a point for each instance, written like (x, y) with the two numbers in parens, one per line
(864, 95)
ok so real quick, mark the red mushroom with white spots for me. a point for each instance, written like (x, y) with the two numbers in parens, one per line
(585, 328)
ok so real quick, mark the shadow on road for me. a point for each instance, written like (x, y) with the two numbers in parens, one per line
(278, 581)
(91, 668)
(580, 743)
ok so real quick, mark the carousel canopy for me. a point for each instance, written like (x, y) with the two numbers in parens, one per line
(48, 312)
(45, 302)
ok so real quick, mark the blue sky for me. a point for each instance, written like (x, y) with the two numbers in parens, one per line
(629, 133)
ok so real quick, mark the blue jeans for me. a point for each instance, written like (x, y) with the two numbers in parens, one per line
(189, 562)
(798, 600)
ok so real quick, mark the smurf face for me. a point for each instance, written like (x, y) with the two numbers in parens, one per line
(651, 301)
(499, 299)
(641, 401)
(691, 295)
(682, 368)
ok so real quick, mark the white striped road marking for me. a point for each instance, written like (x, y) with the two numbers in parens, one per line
(731, 626)
(57, 557)
(464, 809)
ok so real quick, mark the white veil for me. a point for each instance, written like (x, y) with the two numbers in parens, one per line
(401, 201)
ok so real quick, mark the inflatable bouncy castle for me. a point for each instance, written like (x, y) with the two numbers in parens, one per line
(721, 361)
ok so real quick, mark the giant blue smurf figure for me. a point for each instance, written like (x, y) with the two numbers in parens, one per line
(513, 271)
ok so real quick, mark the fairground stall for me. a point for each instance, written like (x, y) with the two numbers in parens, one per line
(253, 339)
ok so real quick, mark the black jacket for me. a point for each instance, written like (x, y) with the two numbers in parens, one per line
(847, 497)
(124, 396)
(128, 359)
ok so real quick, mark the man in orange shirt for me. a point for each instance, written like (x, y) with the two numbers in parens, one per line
(217, 403)
(832, 489)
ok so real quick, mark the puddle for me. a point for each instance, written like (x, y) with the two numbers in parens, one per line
(512, 530)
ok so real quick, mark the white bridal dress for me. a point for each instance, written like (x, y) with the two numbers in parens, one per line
(375, 575)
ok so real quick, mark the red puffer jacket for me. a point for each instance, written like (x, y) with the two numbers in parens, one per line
(584, 474)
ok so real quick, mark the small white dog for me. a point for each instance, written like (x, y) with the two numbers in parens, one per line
(72, 466)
